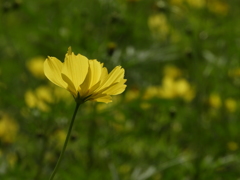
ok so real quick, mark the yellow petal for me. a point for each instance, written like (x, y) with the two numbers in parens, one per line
(70, 86)
(117, 88)
(92, 78)
(74, 70)
(104, 73)
(95, 71)
(30, 99)
(97, 93)
(104, 98)
(114, 76)
(52, 70)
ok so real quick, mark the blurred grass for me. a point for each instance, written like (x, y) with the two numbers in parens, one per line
(178, 118)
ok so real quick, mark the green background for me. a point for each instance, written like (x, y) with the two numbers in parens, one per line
(141, 135)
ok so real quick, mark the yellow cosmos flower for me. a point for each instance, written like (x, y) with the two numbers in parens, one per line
(196, 3)
(218, 7)
(8, 128)
(35, 66)
(230, 104)
(86, 80)
(215, 101)
(232, 146)
(172, 71)
(40, 98)
(159, 26)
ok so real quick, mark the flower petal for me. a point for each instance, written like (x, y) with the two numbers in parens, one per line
(70, 86)
(116, 89)
(103, 98)
(92, 78)
(95, 71)
(104, 73)
(52, 70)
(114, 76)
(75, 69)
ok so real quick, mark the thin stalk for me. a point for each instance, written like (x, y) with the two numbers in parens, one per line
(65, 143)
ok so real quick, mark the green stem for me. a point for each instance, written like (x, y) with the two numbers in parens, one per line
(65, 143)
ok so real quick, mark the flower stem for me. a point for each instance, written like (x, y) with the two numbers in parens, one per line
(66, 142)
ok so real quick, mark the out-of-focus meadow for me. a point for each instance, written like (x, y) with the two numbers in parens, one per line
(177, 119)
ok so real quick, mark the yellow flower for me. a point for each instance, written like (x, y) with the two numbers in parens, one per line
(132, 94)
(8, 129)
(234, 73)
(232, 146)
(35, 66)
(218, 7)
(168, 88)
(86, 80)
(230, 104)
(61, 94)
(196, 3)
(172, 88)
(145, 105)
(215, 101)
(151, 91)
(182, 86)
(40, 98)
(159, 26)
(172, 71)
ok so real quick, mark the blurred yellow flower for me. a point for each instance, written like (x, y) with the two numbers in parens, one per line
(125, 169)
(150, 92)
(230, 104)
(40, 98)
(234, 73)
(172, 71)
(159, 26)
(86, 80)
(215, 100)
(172, 88)
(145, 105)
(35, 66)
(167, 90)
(218, 7)
(197, 3)
(8, 129)
(232, 146)
(61, 94)
(131, 94)
(184, 90)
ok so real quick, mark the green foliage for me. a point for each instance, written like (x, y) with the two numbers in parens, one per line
(177, 119)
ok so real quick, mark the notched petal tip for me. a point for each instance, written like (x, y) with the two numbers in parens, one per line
(69, 52)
